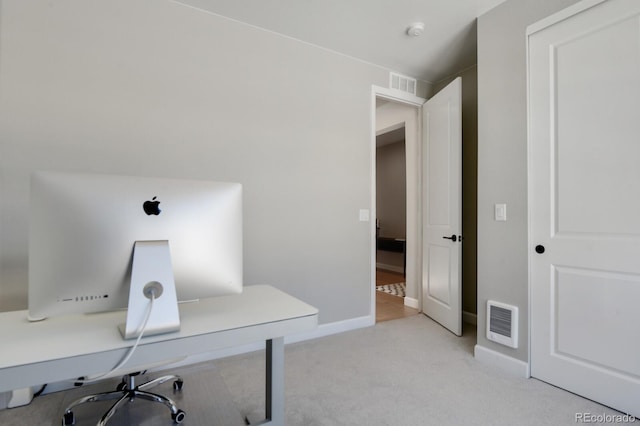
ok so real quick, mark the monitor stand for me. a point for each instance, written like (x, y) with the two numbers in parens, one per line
(151, 272)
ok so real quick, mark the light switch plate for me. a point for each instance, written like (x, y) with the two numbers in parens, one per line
(500, 212)
(364, 215)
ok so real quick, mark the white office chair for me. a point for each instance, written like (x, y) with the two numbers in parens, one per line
(127, 390)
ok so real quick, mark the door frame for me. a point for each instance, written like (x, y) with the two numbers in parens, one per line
(397, 96)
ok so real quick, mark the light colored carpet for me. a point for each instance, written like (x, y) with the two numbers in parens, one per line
(408, 371)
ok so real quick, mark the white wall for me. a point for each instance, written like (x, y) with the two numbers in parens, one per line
(157, 88)
(502, 160)
(391, 200)
(391, 192)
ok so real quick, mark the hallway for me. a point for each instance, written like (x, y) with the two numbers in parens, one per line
(389, 307)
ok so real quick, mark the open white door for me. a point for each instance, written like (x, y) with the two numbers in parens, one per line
(442, 207)
(584, 181)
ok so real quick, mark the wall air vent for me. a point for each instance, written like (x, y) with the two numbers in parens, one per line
(402, 82)
(502, 323)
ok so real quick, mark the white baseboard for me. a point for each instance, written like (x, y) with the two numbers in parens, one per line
(469, 318)
(392, 268)
(501, 361)
(333, 328)
(411, 302)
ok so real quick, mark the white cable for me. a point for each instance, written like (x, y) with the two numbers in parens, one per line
(141, 330)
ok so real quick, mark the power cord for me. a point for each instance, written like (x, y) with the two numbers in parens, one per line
(143, 327)
(37, 394)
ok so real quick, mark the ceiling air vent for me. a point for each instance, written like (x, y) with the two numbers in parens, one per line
(502, 323)
(402, 82)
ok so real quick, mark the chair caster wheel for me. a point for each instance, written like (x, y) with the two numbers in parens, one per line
(68, 419)
(179, 416)
(177, 385)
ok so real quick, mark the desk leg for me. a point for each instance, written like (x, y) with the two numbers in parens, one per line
(274, 389)
(275, 381)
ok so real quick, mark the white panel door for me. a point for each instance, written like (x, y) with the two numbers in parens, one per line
(584, 171)
(442, 207)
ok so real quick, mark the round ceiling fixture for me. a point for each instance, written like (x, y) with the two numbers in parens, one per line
(416, 29)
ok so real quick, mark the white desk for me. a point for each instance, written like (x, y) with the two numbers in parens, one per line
(68, 347)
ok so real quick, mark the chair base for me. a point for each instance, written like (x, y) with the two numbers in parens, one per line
(128, 391)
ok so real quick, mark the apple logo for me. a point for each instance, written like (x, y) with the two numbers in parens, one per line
(151, 207)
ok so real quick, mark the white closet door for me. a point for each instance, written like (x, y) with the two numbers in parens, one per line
(584, 177)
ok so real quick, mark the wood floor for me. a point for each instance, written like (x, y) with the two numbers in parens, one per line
(390, 307)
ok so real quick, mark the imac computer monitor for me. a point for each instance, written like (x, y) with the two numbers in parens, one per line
(84, 227)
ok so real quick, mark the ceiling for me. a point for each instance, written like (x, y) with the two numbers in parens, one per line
(373, 31)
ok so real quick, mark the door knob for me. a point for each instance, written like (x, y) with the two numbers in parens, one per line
(539, 249)
(453, 238)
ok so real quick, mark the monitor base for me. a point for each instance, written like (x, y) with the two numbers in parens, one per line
(151, 273)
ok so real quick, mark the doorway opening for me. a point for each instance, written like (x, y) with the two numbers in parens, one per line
(391, 224)
(395, 257)
(433, 245)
